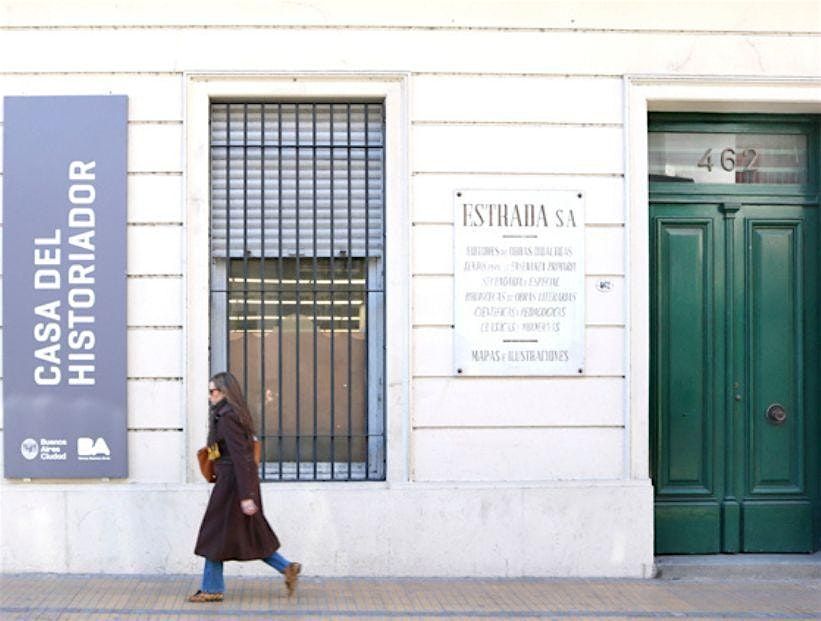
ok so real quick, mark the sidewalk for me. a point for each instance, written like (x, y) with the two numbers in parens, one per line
(53, 596)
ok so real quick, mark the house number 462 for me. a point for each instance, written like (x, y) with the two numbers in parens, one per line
(730, 160)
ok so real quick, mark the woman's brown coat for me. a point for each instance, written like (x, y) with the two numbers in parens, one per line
(226, 533)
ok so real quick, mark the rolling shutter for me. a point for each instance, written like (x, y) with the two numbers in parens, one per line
(291, 179)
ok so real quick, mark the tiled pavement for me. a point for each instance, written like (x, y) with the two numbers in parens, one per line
(54, 596)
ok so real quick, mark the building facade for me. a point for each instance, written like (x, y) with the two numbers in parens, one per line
(306, 184)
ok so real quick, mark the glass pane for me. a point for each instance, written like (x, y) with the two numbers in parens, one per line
(298, 344)
(778, 159)
(329, 292)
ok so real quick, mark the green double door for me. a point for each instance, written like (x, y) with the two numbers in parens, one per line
(734, 376)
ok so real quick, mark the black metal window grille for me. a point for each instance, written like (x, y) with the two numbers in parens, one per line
(297, 280)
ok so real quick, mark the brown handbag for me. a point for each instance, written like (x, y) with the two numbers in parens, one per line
(207, 465)
(257, 450)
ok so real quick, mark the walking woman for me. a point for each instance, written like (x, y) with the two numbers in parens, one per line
(234, 527)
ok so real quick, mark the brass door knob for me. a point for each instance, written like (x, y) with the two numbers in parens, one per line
(776, 414)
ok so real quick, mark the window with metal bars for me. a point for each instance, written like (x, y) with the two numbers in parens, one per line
(297, 280)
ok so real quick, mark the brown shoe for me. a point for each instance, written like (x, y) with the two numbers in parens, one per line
(199, 597)
(291, 577)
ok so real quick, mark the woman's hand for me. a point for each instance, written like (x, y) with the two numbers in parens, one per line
(248, 506)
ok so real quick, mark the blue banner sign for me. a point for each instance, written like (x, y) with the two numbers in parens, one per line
(64, 287)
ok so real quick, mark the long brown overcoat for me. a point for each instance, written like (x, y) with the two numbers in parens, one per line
(226, 533)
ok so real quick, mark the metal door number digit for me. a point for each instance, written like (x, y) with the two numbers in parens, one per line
(743, 160)
(776, 414)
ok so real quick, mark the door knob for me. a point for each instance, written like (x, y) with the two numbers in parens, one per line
(776, 414)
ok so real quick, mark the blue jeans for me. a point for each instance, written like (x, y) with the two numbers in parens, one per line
(213, 582)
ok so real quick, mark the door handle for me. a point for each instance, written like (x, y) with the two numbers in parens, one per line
(776, 414)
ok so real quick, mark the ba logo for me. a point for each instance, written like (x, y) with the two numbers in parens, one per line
(29, 448)
(86, 447)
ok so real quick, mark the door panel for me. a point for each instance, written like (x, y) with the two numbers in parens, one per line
(687, 527)
(685, 259)
(777, 526)
(734, 319)
(780, 310)
(688, 359)
(774, 305)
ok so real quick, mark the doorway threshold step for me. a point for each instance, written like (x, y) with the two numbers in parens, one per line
(740, 566)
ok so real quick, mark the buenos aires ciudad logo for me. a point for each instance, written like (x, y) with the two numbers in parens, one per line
(29, 448)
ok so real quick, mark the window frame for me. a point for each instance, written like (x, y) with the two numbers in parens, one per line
(227, 155)
(708, 123)
(201, 90)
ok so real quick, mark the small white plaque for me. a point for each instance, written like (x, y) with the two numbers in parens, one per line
(519, 282)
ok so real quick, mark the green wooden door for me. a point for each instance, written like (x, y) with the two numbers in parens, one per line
(734, 376)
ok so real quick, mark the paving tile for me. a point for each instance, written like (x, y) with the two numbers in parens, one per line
(69, 597)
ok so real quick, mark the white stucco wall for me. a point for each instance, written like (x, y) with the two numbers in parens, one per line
(486, 476)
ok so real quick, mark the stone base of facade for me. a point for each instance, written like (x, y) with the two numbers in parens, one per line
(556, 529)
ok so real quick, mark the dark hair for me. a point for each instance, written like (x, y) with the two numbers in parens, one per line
(226, 383)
